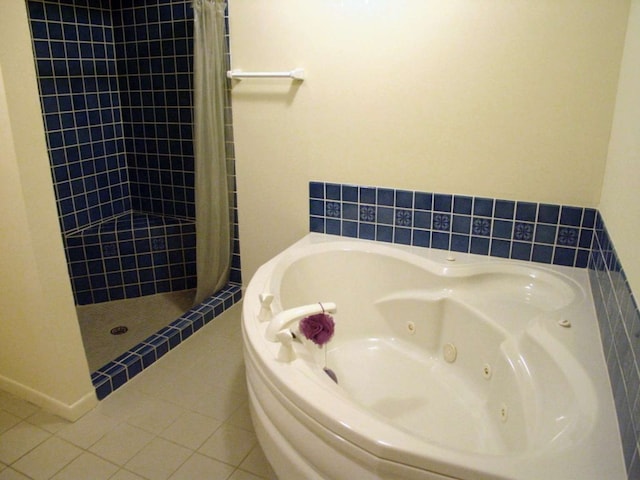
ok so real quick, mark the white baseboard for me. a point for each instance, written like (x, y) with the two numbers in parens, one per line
(70, 412)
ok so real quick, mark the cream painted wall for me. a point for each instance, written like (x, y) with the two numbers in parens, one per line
(41, 354)
(507, 99)
(620, 204)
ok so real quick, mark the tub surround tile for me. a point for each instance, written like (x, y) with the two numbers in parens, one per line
(545, 233)
(537, 232)
(619, 320)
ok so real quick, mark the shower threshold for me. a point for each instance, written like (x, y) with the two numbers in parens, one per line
(140, 355)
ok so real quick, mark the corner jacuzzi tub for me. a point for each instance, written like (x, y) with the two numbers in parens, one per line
(447, 368)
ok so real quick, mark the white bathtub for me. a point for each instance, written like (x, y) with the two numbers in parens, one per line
(471, 368)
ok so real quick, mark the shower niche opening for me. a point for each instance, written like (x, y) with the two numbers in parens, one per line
(116, 90)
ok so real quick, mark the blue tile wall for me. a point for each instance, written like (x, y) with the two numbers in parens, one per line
(619, 321)
(133, 255)
(115, 82)
(77, 74)
(154, 51)
(538, 232)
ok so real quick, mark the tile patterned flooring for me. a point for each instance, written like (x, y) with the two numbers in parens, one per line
(184, 418)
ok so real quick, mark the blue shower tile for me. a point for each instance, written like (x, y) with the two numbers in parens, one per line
(442, 203)
(349, 193)
(545, 234)
(542, 253)
(502, 229)
(332, 226)
(333, 191)
(404, 199)
(367, 231)
(568, 236)
(479, 245)
(385, 197)
(422, 219)
(462, 205)
(367, 195)
(403, 218)
(102, 385)
(402, 236)
(350, 211)
(461, 224)
(504, 209)
(571, 216)
(548, 213)
(350, 229)
(564, 256)
(423, 201)
(367, 213)
(384, 215)
(332, 209)
(521, 251)
(481, 226)
(384, 233)
(526, 211)
(316, 207)
(500, 248)
(582, 258)
(440, 240)
(460, 243)
(588, 218)
(483, 207)
(421, 238)
(441, 221)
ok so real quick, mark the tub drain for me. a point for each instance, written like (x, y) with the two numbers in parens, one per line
(119, 330)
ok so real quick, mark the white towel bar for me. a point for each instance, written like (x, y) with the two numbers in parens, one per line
(296, 74)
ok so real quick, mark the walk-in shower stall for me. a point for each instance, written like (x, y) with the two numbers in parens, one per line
(116, 88)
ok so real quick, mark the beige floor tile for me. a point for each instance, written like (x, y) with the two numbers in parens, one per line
(158, 459)
(257, 463)
(16, 406)
(241, 418)
(218, 403)
(229, 444)
(87, 466)
(47, 421)
(126, 475)
(155, 415)
(199, 467)
(242, 475)
(121, 444)
(46, 459)
(20, 439)
(191, 430)
(124, 402)
(7, 420)
(88, 430)
(11, 474)
(228, 325)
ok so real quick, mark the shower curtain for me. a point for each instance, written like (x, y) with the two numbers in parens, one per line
(213, 229)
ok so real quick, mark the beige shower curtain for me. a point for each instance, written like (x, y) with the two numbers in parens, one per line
(213, 237)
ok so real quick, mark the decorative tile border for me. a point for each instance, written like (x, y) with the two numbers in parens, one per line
(538, 232)
(619, 321)
(116, 373)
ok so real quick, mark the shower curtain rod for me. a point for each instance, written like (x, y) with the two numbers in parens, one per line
(295, 74)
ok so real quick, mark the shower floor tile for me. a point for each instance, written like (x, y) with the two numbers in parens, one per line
(143, 316)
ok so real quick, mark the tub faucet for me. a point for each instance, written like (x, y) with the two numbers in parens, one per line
(265, 312)
(283, 319)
